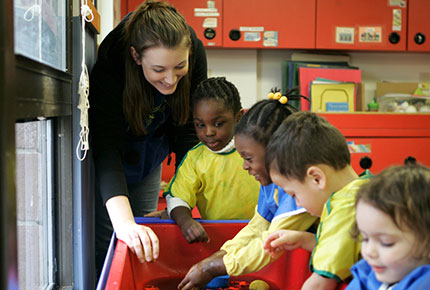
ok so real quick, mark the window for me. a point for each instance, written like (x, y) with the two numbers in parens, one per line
(34, 186)
(40, 31)
(37, 142)
(43, 134)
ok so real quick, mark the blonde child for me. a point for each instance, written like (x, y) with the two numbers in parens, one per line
(393, 219)
(309, 159)
(210, 175)
(275, 210)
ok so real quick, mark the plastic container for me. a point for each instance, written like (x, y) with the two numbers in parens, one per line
(122, 270)
(218, 282)
(404, 103)
(373, 106)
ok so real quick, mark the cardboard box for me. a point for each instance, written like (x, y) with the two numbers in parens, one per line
(359, 98)
(383, 88)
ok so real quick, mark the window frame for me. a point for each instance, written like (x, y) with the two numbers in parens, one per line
(30, 90)
(8, 246)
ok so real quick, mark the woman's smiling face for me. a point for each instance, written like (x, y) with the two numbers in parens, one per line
(164, 67)
(253, 154)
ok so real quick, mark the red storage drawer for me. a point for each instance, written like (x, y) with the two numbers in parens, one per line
(274, 24)
(419, 25)
(387, 139)
(361, 25)
(205, 17)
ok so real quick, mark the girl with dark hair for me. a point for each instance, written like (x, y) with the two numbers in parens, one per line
(146, 71)
(211, 176)
(275, 210)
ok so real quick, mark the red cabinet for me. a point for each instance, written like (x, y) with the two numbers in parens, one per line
(419, 25)
(269, 24)
(129, 6)
(384, 139)
(204, 16)
(383, 25)
(362, 24)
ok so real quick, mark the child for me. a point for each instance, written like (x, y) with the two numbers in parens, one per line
(275, 210)
(393, 218)
(309, 159)
(210, 175)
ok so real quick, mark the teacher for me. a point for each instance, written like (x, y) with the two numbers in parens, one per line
(140, 88)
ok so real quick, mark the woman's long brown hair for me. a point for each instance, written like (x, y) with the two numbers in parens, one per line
(153, 24)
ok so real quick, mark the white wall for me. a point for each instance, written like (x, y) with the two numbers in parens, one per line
(255, 72)
(239, 67)
(106, 11)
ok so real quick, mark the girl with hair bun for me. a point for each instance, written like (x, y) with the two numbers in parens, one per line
(275, 210)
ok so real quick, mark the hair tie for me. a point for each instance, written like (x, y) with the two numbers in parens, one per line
(291, 94)
(283, 100)
(275, 95)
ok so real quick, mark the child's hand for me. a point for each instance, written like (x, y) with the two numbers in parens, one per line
(204, 271)
(193, 231)
(195, 278)
(278, 242)
(162, 214)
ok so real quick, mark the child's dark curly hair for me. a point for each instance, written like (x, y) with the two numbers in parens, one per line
(264, 117)
(219, 89)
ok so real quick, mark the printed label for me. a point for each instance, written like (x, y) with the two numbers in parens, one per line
(206, 14)
(370, 34)
(270, 38)
(345, 35)
(211, 4)
(337, 107)
(210, 22)
(400, 3)
(252, 36)
(197, 10)
(248, 28)
(397, 19)
(359, 148)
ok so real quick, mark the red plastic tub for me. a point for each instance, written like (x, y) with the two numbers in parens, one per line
(123, 270)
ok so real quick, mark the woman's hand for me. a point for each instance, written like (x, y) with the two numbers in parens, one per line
(141, 240)
(204, 271)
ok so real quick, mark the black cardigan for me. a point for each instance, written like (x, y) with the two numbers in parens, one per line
(107, 121)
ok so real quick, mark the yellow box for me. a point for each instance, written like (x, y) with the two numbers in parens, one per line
(338, 96)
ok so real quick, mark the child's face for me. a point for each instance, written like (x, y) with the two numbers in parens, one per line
(306, 194)
(214, 123)
(385, 247)
(253, 154)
